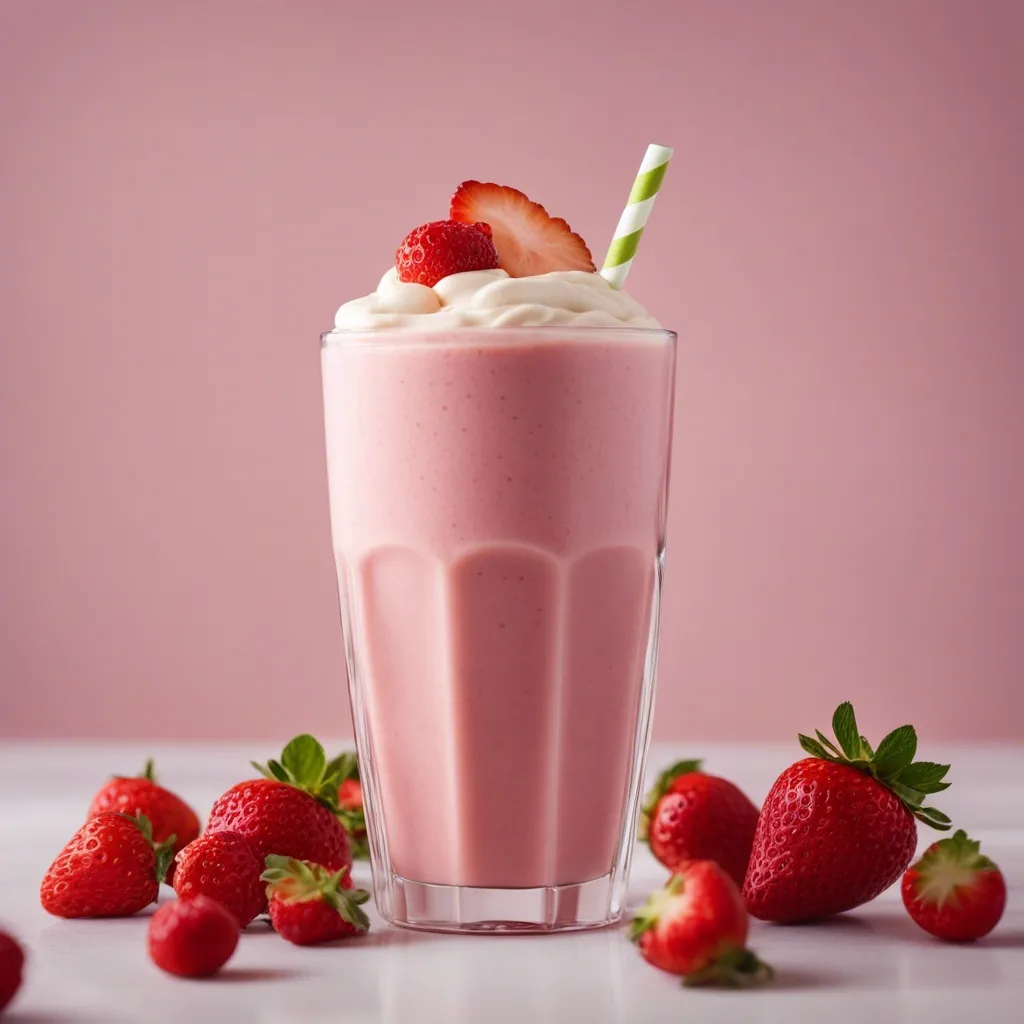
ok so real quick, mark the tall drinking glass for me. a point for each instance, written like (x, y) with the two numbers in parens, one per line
(498, 502)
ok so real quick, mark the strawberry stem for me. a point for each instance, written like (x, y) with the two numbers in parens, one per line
(736, 968)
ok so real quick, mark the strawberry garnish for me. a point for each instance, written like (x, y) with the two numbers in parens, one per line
(443, 247)
(837, 829)
(528, 240)
(696, 926)
(954, 891)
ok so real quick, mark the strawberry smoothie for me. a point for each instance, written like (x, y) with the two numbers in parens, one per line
(498, 513)
(498, 421)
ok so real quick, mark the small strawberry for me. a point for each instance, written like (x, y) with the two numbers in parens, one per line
(293, 811)
(110, 868)
(309, 904)
(689, 815)
(954, 891)
(697, 926)
(350, 804)
(221, 865)
(168, 813)
(192, 938)
(443, 247)
(528, 240)
(12, 962)
(838, 828)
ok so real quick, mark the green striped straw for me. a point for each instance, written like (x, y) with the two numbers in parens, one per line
(634, 216)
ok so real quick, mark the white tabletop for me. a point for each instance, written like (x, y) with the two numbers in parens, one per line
(870, 965)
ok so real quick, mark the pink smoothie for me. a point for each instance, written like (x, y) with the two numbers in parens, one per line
(498, 504)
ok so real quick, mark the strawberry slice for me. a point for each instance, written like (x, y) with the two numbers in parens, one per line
(528, 240)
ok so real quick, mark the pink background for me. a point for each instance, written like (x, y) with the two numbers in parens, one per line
(188, 190)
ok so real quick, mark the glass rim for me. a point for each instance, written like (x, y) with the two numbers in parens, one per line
(413, 335)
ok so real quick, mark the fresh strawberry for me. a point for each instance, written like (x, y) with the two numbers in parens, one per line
(110, 868)
(221, 865)
(697, 927)
(527, 239)
(293, 811)
(192, 938)
(168, 814)
(309, 904)
(350, 805)
(954, 891)
(692, 816)
(444, 247)
(838, 828)
(12, 961)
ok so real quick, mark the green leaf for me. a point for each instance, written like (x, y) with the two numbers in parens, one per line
(148, 771)
(305, 761)
(935, 818)
(896, 751)
(933, 787)
(921, 773)
(345, 766)
(164, 855)
(844, 725)
(865, 748)
(814, 748)
(911, 797)
(827, 743)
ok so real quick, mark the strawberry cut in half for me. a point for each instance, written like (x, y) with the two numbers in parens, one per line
(954, 891)
(528, 240)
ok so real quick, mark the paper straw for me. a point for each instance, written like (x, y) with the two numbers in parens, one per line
(634, 216)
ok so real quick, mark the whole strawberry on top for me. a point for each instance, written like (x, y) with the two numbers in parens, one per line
(110, 868)
(222, 865)
(309, 904)
(954, 891)
(442, 247)
(292, 811)
(697, 927)
(689, 815)
(838, 828)
(350, 805)
(168, 814)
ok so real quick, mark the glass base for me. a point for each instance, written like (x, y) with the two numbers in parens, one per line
(463, 908)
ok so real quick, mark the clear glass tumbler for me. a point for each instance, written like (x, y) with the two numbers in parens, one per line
(498, 501)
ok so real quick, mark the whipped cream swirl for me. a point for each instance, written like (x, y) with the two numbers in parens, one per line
(490, 298)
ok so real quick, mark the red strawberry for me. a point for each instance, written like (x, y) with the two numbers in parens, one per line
(12, 960)
(444, 247)
(697, 927)
(168, 813)
(838, 828)
(192, 938)
(110, 868)
(293, 811)
(527, 239)
(692, 816)
(954, 891)
(221, 865)
(350, 805)
(309, 904)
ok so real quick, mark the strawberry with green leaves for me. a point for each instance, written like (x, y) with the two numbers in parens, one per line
(696, 927)
(954, 891)
(838, 828)
(310, 905)
(110, 868)
(293, 810)
(690, 815)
